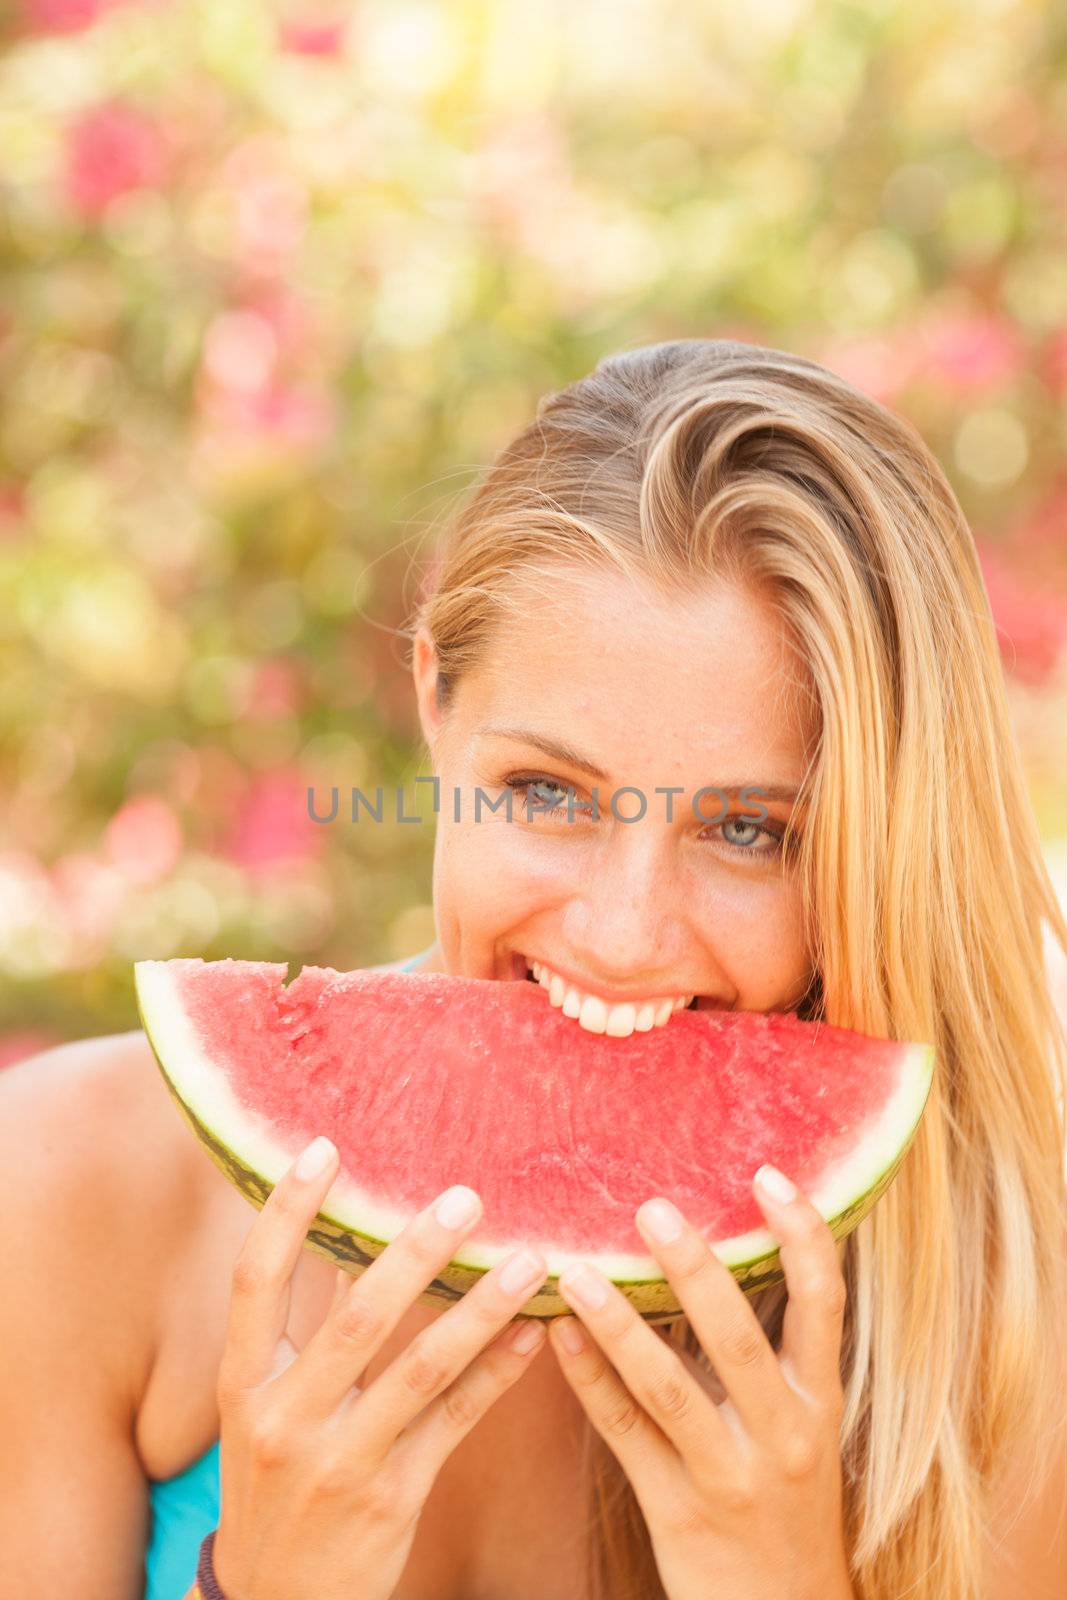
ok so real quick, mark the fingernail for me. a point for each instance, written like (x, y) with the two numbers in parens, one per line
(584, 1286)
(775, 1185)
(662, 1220)
(525, 1337)
(456, 1206)
(571, 1336)
(520, 1272)
(315, 1159)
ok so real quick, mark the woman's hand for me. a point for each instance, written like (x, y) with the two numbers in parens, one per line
(323, 1481)
(742, 1499)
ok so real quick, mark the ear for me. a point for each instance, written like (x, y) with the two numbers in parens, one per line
(424, 671)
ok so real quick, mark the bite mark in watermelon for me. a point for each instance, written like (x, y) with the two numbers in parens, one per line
(424, 1080)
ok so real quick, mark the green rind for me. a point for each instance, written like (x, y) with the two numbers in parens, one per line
(653, 1299)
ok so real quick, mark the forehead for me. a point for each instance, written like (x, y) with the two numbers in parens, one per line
(652, 685)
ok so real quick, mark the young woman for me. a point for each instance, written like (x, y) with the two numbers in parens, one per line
(706, 564)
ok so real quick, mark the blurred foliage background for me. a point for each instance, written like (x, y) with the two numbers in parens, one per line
(277, 280)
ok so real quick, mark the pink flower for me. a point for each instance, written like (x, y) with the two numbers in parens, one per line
(309, 36)
(273, 825)
(112, 149)
(1054, 361)
(274, 415)
(270, 205)
(296, 416)
(968, 351)
(90, 894)
(143, 839)
(1031, 622)
(259, 379)
(276, 690)
(240, 351)
(880, 365)
(12, 512)
(1042, 534)
(62, 16)
(292, 320)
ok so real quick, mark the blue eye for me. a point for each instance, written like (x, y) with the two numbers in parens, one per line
(543, 789)
(539, 790)
(746, 822)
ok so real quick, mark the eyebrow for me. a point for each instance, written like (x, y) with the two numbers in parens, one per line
(562, 751)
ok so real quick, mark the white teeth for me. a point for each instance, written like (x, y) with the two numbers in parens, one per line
(596, 1016)
(621, 1020)
(593, 1016)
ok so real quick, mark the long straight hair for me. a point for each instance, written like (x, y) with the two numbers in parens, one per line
(925, 887)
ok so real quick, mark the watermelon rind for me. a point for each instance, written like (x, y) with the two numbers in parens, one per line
(246, 1148)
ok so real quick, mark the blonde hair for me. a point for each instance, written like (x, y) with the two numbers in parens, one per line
(924, 877)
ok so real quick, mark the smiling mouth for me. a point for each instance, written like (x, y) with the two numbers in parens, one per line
(692, 1006)
(600, 1015)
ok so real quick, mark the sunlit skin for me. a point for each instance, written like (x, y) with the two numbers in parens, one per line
(654, 694)
(740, 1477)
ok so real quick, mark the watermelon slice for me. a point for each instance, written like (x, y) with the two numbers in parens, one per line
(424, 1080)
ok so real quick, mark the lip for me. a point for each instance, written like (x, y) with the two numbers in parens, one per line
(610, 997)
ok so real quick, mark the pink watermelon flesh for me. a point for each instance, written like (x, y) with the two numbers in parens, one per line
(423, 1081)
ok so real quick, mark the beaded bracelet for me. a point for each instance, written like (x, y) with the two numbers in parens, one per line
(207, 1585)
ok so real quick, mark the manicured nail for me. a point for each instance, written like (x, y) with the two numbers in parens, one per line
(526, 1337)
(571, 1336)
(584, 1286)
(775, 1185)
(456, 1206)
(521, 1272)
(662, 1220)
(315, 1159)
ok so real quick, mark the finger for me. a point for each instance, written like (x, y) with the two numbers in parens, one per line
(815, 1309)
(428, 1442)
(651, 1370)
(726, 1326)
(366, 1312)
(261, 1284)
(341, 1284)
(647, 1457)
(438, 1355)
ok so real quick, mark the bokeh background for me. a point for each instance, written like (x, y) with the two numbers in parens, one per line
(277, 280)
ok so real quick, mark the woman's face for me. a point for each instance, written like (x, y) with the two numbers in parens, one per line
(644, 692)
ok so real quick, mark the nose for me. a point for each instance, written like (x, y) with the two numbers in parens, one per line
(628, 922)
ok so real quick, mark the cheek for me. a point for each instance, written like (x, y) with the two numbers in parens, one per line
(756, 933)
(489, 872)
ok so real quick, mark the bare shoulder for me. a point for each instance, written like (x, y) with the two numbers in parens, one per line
(94, 1107)
(1028, 1551)
(102, 1204)
(98, 1167)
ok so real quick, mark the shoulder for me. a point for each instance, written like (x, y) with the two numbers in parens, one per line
(92, 1111)
(93, 1168)
(91, 1174)
(1027, 1549)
